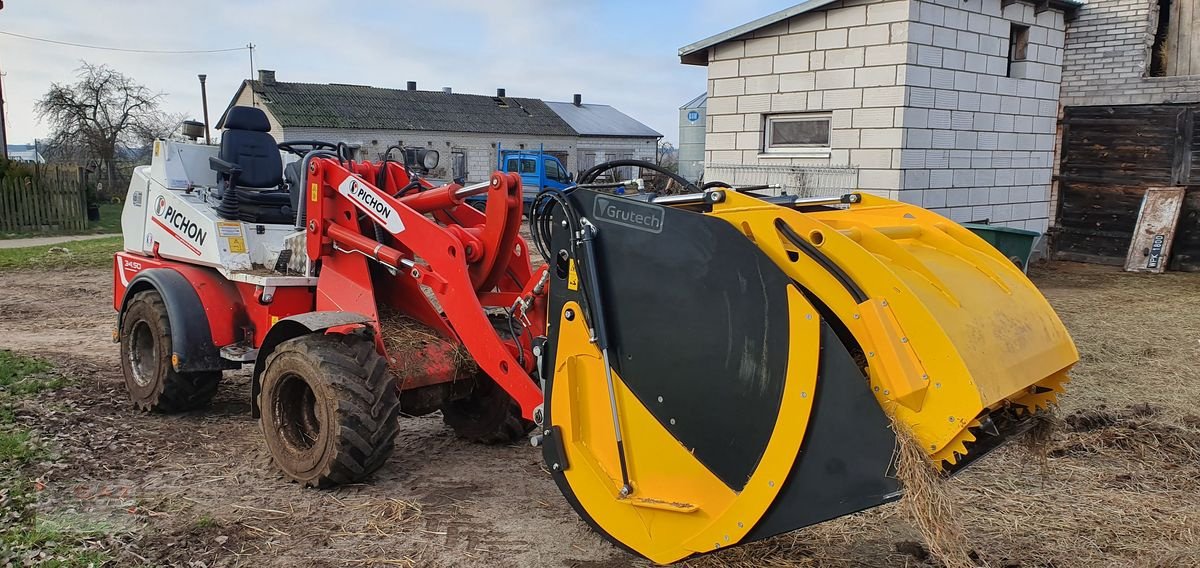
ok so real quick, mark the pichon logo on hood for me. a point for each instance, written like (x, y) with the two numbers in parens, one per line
(373, 203)
(180, 221)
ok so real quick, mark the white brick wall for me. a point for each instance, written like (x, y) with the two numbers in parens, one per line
(843, 60)
(921, 99)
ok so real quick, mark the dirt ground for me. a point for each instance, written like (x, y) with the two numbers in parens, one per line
(1119, 486)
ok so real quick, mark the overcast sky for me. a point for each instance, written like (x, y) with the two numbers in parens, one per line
(623, 53)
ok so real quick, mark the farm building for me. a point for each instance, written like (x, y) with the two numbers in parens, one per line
(25, 153)
(465, 129)
(950, 104)
(1130, 96)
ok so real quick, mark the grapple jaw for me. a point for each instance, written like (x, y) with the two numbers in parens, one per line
(755, 353)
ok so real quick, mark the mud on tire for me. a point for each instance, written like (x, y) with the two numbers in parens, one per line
(329, 409)
(488, 415)
(152, 382)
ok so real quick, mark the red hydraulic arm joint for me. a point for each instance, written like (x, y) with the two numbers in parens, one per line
(428, 233)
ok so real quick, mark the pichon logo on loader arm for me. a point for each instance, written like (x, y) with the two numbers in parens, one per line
(372, 203)
(184, 227)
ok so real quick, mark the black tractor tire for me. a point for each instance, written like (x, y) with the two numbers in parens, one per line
(150, 378)
(487, 416)
(329, 409)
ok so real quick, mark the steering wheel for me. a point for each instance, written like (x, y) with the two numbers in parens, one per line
(302, 147)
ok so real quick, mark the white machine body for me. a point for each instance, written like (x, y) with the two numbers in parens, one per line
(170, 212)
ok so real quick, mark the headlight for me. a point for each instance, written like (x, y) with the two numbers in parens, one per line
(429, 159)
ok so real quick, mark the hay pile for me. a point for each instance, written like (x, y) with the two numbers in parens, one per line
(407, 342)
(928, 502)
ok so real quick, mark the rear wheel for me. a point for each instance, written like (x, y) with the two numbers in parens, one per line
(329, 409)
(487, 415)
(151, 379)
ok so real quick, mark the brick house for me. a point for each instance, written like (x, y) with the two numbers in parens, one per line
(948, 104)
(465, 129)
(1130, 98)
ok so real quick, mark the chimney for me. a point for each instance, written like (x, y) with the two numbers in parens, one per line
(447, 90)
(500, 92)
(578, 99)
(266, 76)
(412, 85)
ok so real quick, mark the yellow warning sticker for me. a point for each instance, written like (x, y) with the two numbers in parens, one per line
(229, 229)
(274, 320)
(313, 193)
(572, 276)
(237, 244)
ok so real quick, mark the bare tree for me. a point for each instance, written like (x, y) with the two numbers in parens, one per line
(144, 133)
(99, 116)
(667, 156)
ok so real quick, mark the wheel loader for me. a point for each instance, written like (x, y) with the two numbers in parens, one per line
(700, 369)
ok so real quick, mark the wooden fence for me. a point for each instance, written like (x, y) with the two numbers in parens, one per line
(52, 201)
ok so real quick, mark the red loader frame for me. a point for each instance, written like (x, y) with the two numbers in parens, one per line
(446, 264)
(468, 260)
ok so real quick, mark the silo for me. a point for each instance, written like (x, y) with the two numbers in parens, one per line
(691, 138)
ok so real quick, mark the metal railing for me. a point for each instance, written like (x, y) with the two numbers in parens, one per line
(802, 181)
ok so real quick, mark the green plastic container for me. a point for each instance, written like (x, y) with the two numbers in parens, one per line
(1016, 244)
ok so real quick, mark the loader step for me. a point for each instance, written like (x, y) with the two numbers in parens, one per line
(239, 352)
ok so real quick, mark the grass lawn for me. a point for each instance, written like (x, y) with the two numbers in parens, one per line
(92, 253)
(109, 223)
(26, 540)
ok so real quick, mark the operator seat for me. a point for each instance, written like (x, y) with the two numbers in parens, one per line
(250, 171)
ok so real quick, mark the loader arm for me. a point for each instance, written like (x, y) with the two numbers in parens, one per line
(446, 273)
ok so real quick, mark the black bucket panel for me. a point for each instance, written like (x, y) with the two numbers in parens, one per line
(698, 321)
(846, 461)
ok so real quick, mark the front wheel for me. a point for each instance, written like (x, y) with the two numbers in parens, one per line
(329, 409)
(151, 379)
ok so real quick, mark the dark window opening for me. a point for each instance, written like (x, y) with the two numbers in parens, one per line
(1158, 52)
(458, 164)
(1018, 45)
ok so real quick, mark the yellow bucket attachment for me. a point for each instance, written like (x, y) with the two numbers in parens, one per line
(949, 327)
(722, 371)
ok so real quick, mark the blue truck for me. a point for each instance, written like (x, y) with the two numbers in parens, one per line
(538, 170)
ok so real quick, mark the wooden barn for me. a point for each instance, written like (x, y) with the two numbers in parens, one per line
(1130, 101)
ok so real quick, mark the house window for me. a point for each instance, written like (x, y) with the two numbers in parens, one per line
(797, 133)
(458, 163)
(1018, 45)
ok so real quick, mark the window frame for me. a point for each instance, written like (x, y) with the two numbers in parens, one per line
(769, 148)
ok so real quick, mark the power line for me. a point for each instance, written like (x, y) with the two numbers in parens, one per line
(125, 50)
